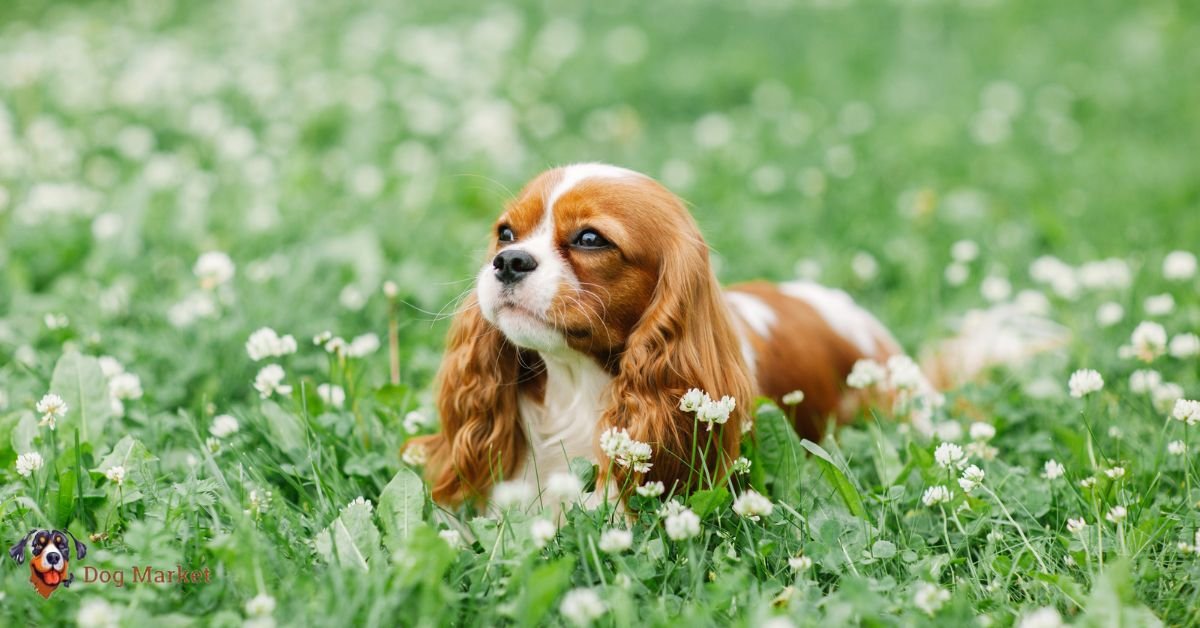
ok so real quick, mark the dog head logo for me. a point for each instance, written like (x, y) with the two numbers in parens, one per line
(49, 566)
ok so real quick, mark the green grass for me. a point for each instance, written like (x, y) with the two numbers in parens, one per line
(330, 147)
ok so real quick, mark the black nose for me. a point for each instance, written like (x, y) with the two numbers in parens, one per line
(512, 265)
(53, 558)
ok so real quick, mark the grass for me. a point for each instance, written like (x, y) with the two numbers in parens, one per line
(328, 148)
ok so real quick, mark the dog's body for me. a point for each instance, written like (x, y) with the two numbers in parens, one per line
(597, 310)
(49, 566)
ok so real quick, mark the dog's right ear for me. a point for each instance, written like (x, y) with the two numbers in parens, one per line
(18, 551)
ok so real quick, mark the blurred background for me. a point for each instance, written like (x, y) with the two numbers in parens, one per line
(329, 147)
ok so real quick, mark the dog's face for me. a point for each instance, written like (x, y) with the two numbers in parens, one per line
(50, 554)
(576, 258)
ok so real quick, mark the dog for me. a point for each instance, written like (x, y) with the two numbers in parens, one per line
(50, 566)
(595, 313)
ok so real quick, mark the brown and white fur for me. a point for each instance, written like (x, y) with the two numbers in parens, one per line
(561, 340)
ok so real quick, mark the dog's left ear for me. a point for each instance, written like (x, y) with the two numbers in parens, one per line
(80, 548)
(18, 551)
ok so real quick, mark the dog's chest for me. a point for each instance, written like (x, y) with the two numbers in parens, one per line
(563, 425)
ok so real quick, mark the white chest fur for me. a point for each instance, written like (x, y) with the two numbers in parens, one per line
(563, 426)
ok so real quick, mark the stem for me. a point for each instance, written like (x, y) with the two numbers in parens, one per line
(1021, 532)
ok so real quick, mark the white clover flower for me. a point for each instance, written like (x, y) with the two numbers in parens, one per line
(935, 495)
(948, 431)
(1088, 482)
(213, 269)
(415, 421)
(1115, 473)
(615, 540)
(110, 366)
(1148, 341)
(671, 508)
(800, 563)
(1046, 617)
(322, 338)
(332, 395)
(260, 605)
(1159, 305)
(864, 265)
(716, 411)
(452, 538)
(1144, 381)
(1109, 314)
(125, 386)
(995, 288)
(1184, 346)
(796, 397)
(624, 451)
(741, 466)
(1186, 410)
(415, 455)
(1176, 448)
(1075, 526)
(259, 501)
(52, 408)
(949, 455)
(904, 374)
(266, 343)
(930, 597)
(682, 525)
(964, 251)
(1115, 432)
(542, 531)
(390, 289)
(1053, 470)
(193, 307)
(866, 373)
(651, 489)
(981, 431)
(956, 274)
(96, 612)
(693, 400)
(512, 494)
(1116, 514)
(269, 381)
(115, 474)
(1084, 382)
(972, 477)
(223, 426)
(29, 462)
(581, 607)
(563, 487)
(753, 505)
(213, 444)
(362, 346)
(980, 449)
(1179, 266)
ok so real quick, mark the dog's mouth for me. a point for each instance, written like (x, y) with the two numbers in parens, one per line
(51, 576)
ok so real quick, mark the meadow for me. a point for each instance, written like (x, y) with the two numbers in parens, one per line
(177, 177)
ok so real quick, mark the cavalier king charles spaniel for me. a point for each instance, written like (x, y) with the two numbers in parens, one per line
(597, 308)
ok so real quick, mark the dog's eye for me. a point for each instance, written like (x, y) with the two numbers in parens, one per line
(506, 234)
(589, 239)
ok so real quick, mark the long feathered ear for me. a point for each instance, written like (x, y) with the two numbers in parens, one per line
(481, 439)
(17, 551)
(684, 340)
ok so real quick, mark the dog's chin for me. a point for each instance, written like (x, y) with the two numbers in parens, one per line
(528, 330)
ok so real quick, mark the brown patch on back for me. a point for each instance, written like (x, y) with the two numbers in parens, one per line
(804, 353)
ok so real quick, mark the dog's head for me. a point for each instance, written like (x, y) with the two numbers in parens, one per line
(605, 263)
(50, 553)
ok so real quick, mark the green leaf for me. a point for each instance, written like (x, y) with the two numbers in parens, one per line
(286, 429)
(80, 382)
(130, 453)
(65, 500)
(883, 549)
(886, 458)
(401, 508)
(705, 502)
(1114, 602)
(779, 452)
(351, 539)
(838, 477)
(585, 470)
(541, 588)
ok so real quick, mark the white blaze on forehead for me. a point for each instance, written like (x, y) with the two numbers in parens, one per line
(573, 174)
(845, 317)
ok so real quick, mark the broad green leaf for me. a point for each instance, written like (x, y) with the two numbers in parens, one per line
(838, 477)
(286, 429)
(351, 539)
(65, 499)
(542, 588)
(886, 458)
(1114, 602)
(779, 452)
(883, 549)
(401, 508)
(130, 453)
(80, 382)
(705, 502)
